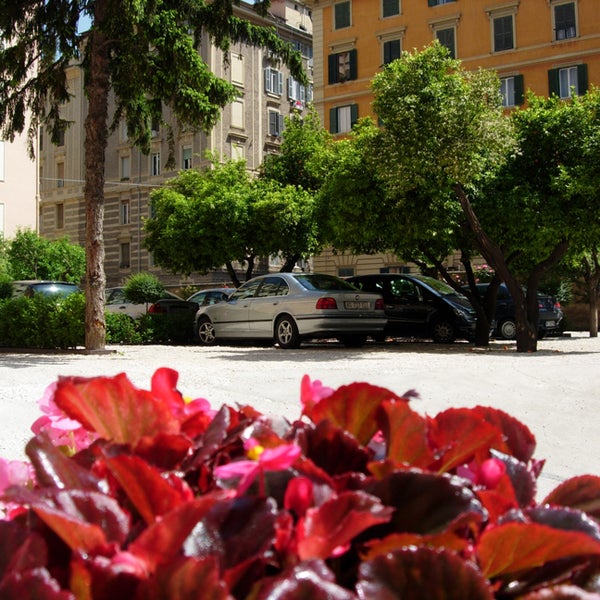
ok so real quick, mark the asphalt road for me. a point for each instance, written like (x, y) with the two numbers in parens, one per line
(555, 391)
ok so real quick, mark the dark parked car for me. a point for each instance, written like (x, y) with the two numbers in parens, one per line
(291, 307)
(420, 306)
(506, 328)
(47, 288)
(168, 304)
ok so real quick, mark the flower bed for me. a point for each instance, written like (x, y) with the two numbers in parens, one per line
(144, 494)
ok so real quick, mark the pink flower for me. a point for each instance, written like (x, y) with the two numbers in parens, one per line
(62, 430)
(488, 474)
(14, 472)
(261, 460)
(312, 392)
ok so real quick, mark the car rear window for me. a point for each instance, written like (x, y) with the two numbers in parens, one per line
(324, 283)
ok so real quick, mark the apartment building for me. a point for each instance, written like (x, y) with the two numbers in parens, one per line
(250, 128)
(547, 46)
(18, 188)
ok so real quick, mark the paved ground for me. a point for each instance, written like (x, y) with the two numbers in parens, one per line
(555, 391)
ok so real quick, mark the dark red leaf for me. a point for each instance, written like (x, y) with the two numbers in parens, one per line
(581, 492)
(417, 573)
(20, 549)
(54, 469)
(459, 434)
(522, 479)
(406, 434)
(35, 584)
(310, 580)
(353, 408)
(145, 486)
(568, 519)
(520, 442)
(561, 592)
(114, 408)
(515, 547)
(337, 521)
(163, 540)
(396, 541)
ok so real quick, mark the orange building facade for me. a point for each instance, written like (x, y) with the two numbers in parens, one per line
(547, 46)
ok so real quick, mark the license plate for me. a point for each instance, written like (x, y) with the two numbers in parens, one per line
(356, 304)
(550, 323)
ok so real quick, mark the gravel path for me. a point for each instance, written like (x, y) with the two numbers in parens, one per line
(555, 391)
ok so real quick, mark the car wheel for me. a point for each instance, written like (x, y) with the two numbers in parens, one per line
(353, 341)
(507, 329)
(206, 332)
(286, 332)
(443, 332)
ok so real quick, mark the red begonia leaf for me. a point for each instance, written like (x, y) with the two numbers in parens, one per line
(515, 547)
(396, 541)
(417, 573)
(459, 434)
(114, 408)
(581, 492)
(34, 584)
(21, 549)
(426, 503)
(406, 434)
(561, 517)
(353, 408)
(151, 493)
(54, 469)
(560, 592)
(337, 521)
(165, 451)
(521, 478)
(164, 539)
(310, 580)
(519, 440)
(185, 579)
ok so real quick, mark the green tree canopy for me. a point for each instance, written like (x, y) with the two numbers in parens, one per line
(143, 53)
(204, 220)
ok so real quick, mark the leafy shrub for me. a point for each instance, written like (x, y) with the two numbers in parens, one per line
(42, 321)
(143, 288)
(6, 287)
(122, 329)
(360, 498)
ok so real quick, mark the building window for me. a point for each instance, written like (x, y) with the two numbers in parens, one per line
(60, 138)
(60, 174)
(237, 114)
(447, 38)
(125, 255)
(342, 66)
(60, 216)
(125, 217)
(568, 81)
(342, 118)
(155, 164)
(123, 133)
(125, 167)
(186, 158)
(298, 94)
(342, 15)
(345, 271)
(273, 81)
(565, 25)
(275, 123)
(390, 8)
(512, 91)
(237, 69)
(438, 2)
(238, 151)
(392, 49)
(504, 37)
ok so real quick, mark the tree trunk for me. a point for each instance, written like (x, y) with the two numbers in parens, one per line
(96, 129)
(232, 274)
(593, 294)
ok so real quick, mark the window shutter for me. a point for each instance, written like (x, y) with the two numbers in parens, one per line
(279, 123)
(432, 2)
(272, 123)
(279, 82)
(333, 75)
(582, 79)
(353, 64)
(391, 51)
(291, 89)
(519, 89)
(333, 120)
(267, 79)
(553, 82)
(353, 113)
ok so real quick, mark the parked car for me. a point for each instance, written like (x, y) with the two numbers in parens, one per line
(291, 307)
(211, 296)
(550, 314)
(47, 288)
(168, 304)
(420, 306)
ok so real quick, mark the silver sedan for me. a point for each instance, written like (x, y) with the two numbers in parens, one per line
(291, 307)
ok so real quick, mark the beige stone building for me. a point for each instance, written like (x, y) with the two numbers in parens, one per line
(18, 188)
(250, 128)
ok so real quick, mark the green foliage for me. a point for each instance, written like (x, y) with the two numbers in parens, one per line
(143, 288)
(33, 257)
(42, 322)
(204, 220)
(6, 288)
(122, 329)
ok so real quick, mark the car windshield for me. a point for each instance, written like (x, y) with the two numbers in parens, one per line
(439, 286)
(54, 289)
(324, 283)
